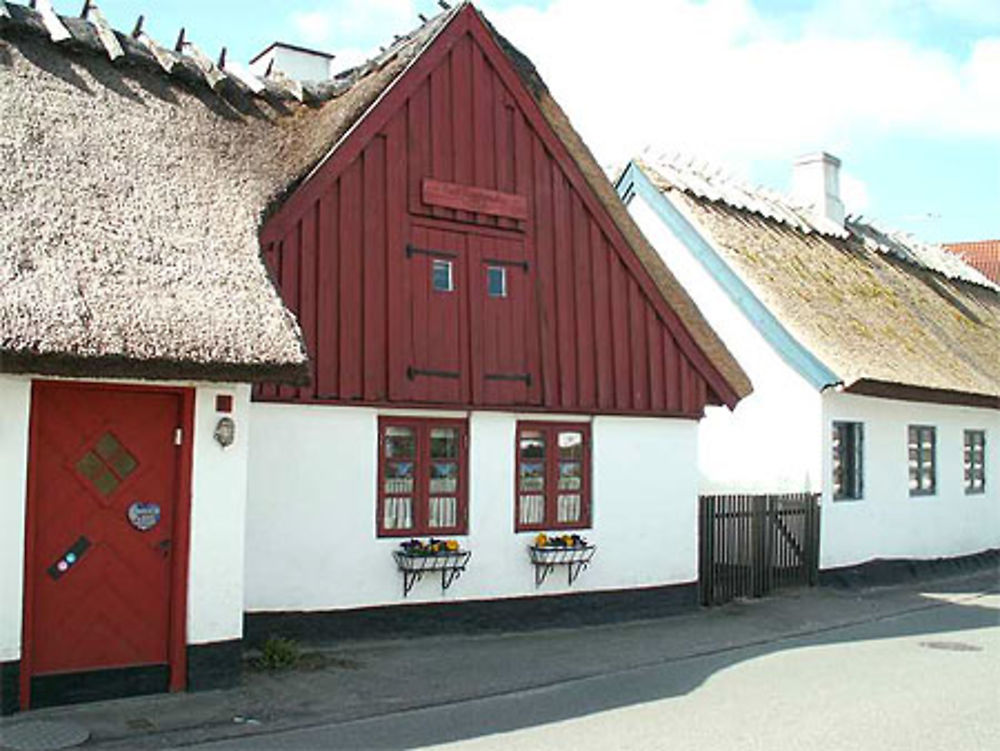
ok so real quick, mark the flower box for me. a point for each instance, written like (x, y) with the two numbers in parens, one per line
(571, 551)
(416, 558)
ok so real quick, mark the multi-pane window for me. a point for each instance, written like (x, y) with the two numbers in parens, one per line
(974, 461)
(553, 476)
(922, 460)
(848, 460)
(422, 483)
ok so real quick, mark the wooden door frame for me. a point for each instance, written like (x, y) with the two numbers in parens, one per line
(177, 625)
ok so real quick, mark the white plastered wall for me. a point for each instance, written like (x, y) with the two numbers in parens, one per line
(771, 442)
(215, 566)
(15, 399)
(889, 523)
(311, 528)
(218, 511)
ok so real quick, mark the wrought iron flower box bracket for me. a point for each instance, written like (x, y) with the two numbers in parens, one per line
(546, 558)
(451, 564)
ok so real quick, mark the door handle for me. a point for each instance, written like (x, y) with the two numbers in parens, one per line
(164, 547)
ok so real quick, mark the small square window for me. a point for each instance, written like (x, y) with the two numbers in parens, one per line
(496, 281)
(441, 275)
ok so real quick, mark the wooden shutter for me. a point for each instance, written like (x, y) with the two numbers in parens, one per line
(436, 366)
(504, 369)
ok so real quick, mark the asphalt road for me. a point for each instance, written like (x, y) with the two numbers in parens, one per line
(924, 679)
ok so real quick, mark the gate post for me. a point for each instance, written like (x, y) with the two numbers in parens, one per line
(814, 515)
(706, 552)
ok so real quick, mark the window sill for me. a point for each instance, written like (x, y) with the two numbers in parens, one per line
(390, 534)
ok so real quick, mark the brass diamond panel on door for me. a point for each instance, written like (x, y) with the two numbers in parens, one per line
(107, 464)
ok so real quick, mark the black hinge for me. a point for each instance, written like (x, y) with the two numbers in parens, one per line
(412, 250)
(412, 373)
(526, 377)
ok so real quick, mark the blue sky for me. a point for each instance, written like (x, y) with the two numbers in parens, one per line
(905, 92)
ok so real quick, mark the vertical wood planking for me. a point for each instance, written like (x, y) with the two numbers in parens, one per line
(442, 141)
(398, 341)
(374, 264)
(504, 147)
(462, 97)
(351, 285)
(593, 341)
(483, 126)
(657, 386)
(640, 356)
(418, 144)
(619, 333)
(327, 306)
(308, 279)
(601, 290)
(270, 255)
(290, 282)
(583, 290)
(565, 282)
(546, 278)
(524, 185)
(671, 372)
(685, 383)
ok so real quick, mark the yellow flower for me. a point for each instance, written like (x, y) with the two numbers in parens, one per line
(451, 544)
(541, 540)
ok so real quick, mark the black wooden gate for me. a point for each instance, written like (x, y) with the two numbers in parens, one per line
(751, 544)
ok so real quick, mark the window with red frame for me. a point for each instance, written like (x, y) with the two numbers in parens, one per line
(422, 477)
(553, 476)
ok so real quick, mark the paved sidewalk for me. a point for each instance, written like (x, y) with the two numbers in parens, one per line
(367, 679)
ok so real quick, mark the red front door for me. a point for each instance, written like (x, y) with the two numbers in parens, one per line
(105, 477)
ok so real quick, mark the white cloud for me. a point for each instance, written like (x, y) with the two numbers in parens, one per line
(718, 79)
(352, 28)
(312, 27)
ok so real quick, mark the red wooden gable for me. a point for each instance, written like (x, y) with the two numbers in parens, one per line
(450, 253)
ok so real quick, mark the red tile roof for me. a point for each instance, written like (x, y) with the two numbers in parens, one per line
(983, 254)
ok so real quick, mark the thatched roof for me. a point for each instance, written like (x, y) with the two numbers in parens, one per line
(132, 189)
(873, 306)
(137, 179)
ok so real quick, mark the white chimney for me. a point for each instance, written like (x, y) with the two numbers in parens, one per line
(296, 62)
(816, 185)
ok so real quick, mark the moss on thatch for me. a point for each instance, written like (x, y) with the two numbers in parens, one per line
(868, 314)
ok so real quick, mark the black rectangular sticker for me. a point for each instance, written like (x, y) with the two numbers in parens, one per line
(69, 559)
